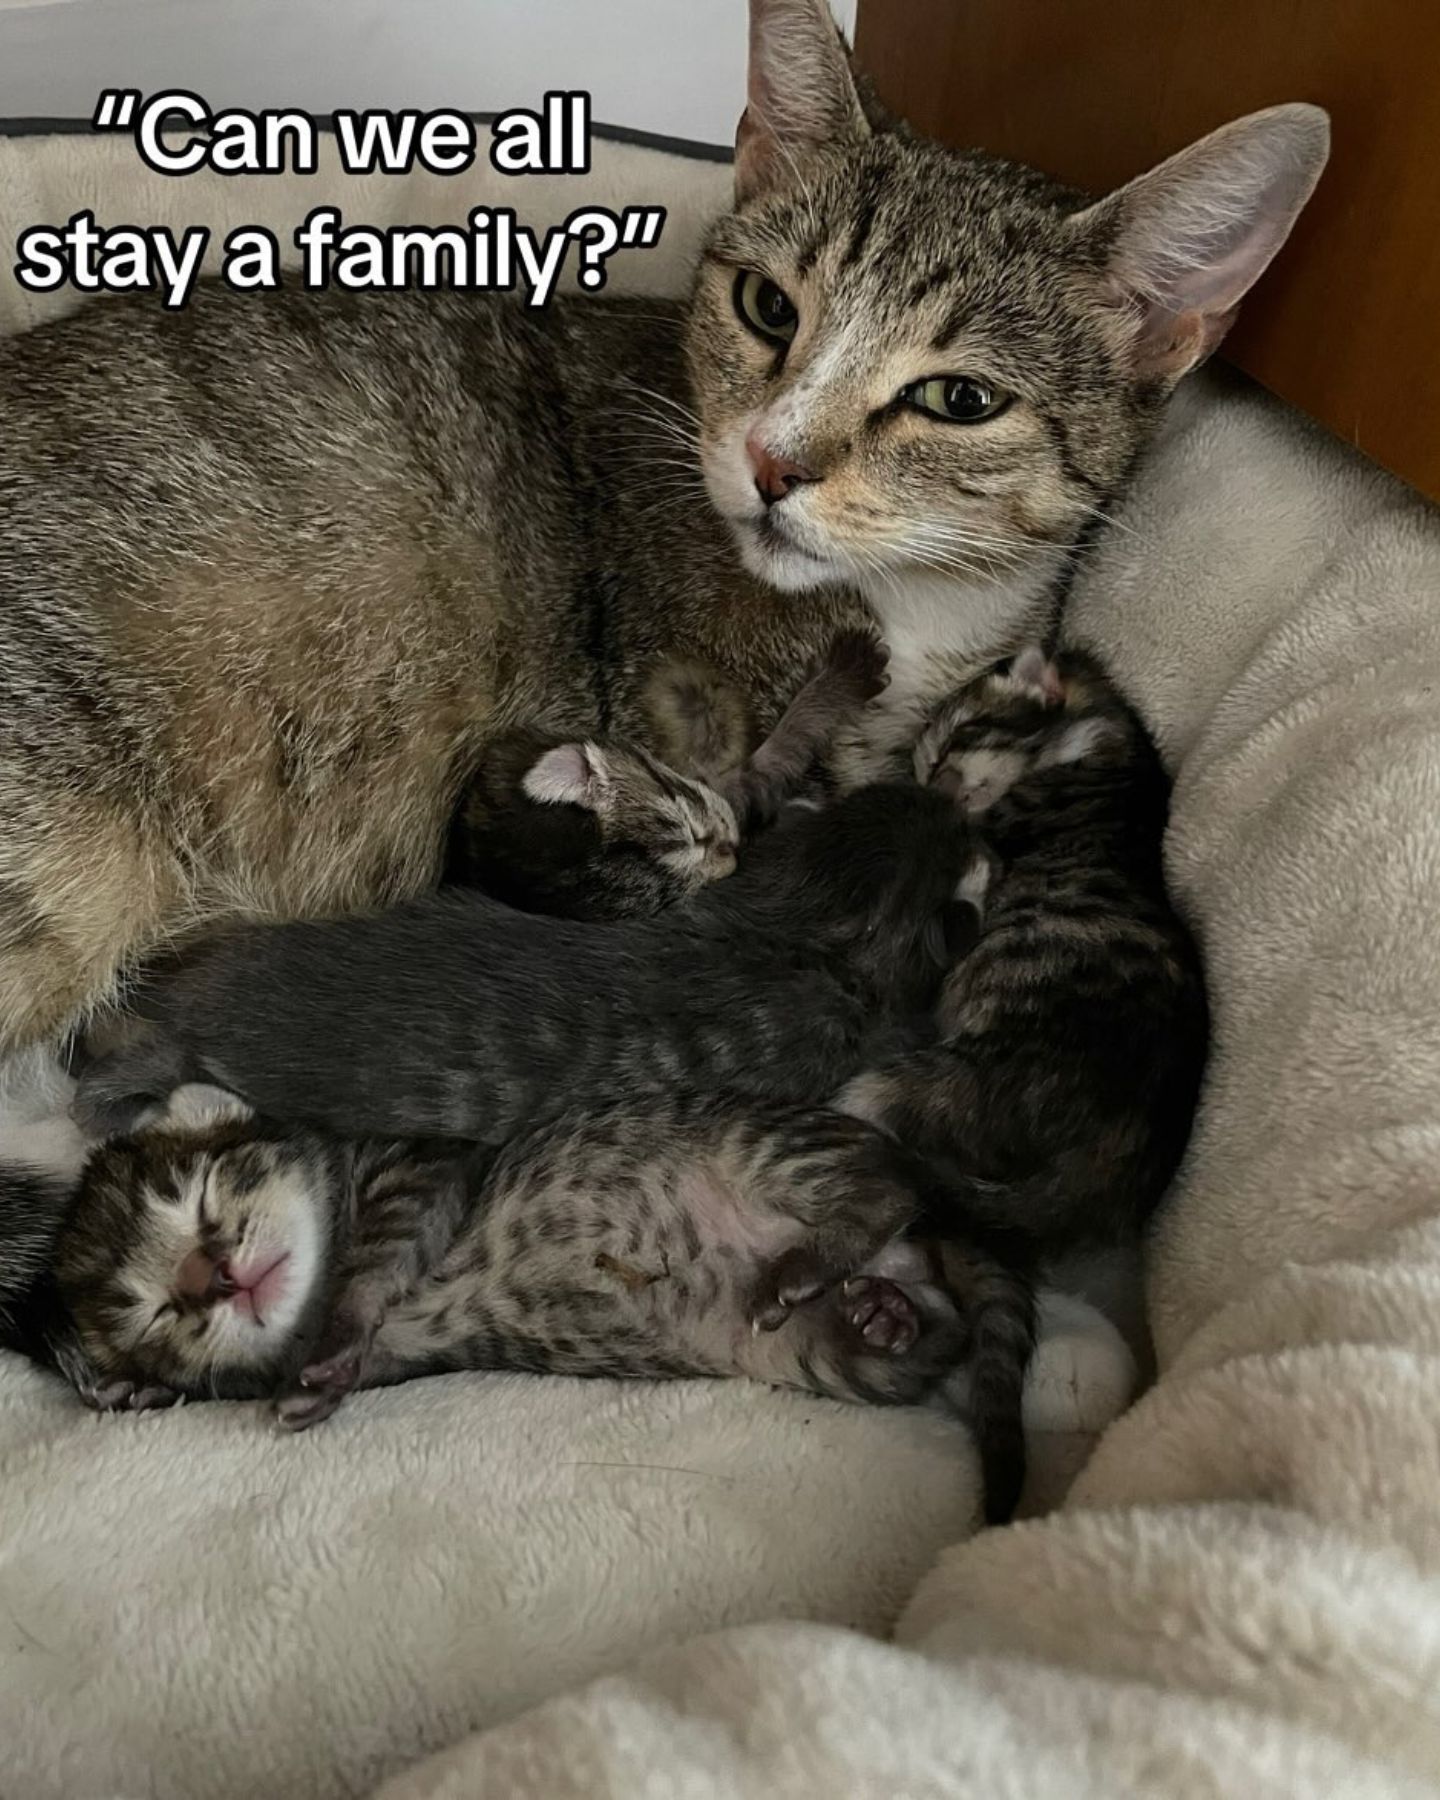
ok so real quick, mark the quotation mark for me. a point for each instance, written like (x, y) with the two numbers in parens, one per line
(115, 110)
(640, 227)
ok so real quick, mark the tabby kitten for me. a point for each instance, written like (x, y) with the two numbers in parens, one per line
(703, 1237)
(603, 830)
(596, 829)
(1074, 1033)
(276, 567)
(457, 1016)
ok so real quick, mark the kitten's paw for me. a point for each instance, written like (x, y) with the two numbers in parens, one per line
(1082, 1374)
(881, 1313)
(127, 1396)
(153, 1398)
(860, 659)
(322, 1387)
(303, 1407)
(794, 1279)
(107, 1396)
(340, 1370)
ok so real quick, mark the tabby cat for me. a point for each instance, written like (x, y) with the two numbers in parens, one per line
(276, 567)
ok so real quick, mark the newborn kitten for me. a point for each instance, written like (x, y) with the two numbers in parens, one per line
(590, 830)
(695, 1237)
(604, 830)
(456, 1016)
(1060, 1098)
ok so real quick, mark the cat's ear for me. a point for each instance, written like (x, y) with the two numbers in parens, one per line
(570, 774)
(801, 98)
(1188, 240)
(1035, 672)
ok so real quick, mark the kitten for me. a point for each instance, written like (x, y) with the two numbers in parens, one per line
(1073, 1034)
(603, 830)
(277, 566)
(457, 1016)
(696, 1237)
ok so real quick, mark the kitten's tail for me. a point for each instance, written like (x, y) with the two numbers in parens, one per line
(986, 1386)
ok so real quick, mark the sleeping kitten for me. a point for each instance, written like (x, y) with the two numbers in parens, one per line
(603, 830)
(696, 1237)
(457, 1016)
(587, 830)
(1074, 1033)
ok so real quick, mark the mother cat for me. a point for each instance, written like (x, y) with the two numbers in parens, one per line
(272, 569)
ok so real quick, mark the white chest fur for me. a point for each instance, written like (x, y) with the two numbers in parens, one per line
(939, 634)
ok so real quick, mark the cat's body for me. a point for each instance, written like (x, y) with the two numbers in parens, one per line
(458, 1016)
(1074, 1033)
(698, 1237)
(274, 568)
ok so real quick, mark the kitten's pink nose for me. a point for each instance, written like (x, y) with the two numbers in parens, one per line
(201, 1277)
(775, 475)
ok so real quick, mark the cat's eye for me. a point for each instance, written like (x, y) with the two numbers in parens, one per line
(962, 399)
(767, 309)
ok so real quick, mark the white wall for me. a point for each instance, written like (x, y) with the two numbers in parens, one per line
(669, 66)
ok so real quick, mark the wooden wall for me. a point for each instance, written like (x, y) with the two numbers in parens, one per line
(1346, 322)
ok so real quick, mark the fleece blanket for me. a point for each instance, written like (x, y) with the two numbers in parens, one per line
(195, 1607)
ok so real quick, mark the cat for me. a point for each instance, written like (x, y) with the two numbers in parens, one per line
(458, 1016)
(604, 830)
(1073, 1034)
(276, 567)
(698, 1236)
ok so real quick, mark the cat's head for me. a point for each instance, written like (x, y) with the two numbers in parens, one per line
(1030, 713)
(641, 807)
(909, 360)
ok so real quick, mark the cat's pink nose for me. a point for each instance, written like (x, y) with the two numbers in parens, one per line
(775, 476)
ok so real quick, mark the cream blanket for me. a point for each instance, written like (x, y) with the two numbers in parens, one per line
(1241, 1598)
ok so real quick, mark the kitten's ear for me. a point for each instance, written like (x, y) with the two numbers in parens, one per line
(1035, 671)
(1188, 240)
(570, 774)
(802, 96)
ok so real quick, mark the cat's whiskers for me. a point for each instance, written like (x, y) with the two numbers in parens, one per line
(688, 413)
(652, 426)
(1106, 517)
